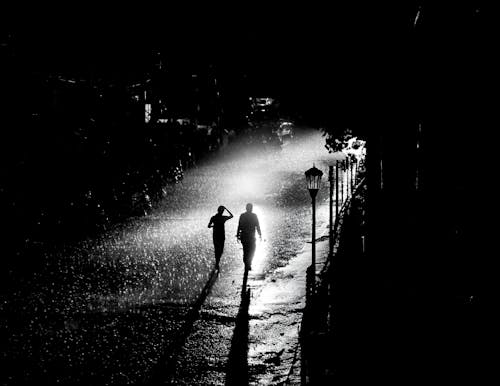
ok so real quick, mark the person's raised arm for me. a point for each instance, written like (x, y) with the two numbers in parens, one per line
(230, 214)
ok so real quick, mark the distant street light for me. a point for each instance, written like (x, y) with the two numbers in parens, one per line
(313, 177)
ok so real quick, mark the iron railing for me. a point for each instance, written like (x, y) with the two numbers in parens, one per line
(317, 319)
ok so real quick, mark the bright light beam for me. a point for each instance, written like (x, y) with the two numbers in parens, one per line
(249, 185)
(261, 250)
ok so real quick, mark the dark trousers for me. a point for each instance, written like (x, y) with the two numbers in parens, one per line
(218, 248)
(248, 251)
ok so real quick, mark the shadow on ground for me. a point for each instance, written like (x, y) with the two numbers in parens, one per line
(237, 366)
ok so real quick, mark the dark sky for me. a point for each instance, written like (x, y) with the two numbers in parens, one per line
(270, 41)
(338, 54)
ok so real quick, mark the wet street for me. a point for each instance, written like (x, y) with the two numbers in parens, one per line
(124, 129)
(144, 304)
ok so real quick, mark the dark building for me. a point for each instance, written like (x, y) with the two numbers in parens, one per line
(419, 303)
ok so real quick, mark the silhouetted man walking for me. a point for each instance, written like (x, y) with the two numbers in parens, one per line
(249, 222)
(219, 234)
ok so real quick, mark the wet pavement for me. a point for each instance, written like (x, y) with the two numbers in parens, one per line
(143, 304)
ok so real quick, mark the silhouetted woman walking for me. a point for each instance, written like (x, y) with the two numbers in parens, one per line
(219, 234)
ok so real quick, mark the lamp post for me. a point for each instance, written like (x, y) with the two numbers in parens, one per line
(313, 177)
(336, 190)
(330, 233)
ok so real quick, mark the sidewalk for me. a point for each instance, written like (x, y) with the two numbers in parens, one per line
(276, 313)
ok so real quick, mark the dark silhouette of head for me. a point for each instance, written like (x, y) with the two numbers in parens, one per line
(220, 209)
(249, 208)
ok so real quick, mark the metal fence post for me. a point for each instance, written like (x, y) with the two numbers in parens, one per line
(342, 183)
(353, 184)
(347, 177)
(336, 190)
(330, 178)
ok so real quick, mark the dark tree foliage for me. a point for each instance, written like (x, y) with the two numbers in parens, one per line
(336, 138)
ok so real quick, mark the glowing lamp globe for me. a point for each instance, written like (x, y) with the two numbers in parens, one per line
(313, 177)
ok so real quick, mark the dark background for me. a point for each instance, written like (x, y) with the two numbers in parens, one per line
(378, 69)
(328, 60)
(330, 57)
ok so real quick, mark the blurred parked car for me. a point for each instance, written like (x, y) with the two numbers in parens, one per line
(284, 130)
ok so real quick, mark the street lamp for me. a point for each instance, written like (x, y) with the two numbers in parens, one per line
(313, 177)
